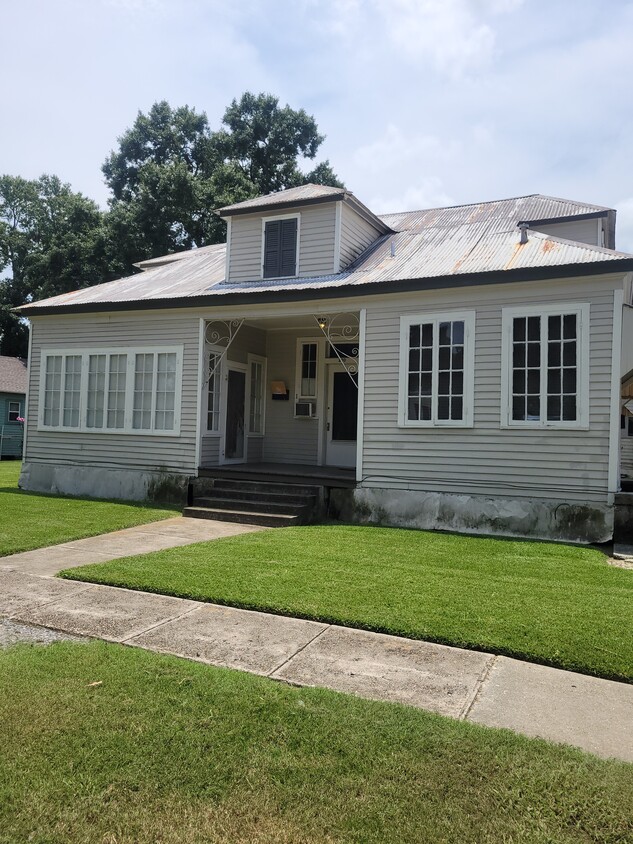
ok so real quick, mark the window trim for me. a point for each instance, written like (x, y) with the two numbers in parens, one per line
(313, 341)
(250, 359)
(296, 216)
(406, 321)
(219, 375)
(131, 351)
(583, 314)
(9, 411)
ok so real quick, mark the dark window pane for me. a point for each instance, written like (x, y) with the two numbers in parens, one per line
(569, 380)
(425, 384)
(569, 327)
(534, 328)
(414, 384)
(518, 355)
(443, 407)
(445, 334)
(445, 357)
(414, 336)
(534, 381)
(569, 353)
(458, 357)
(518, 329)
(458, 333)
(534, 407)
(414, 360)
(427, 334)
(457, 408)
(518, 381)
(553, 354)
(553, 408)
(425, 408)
(518, 407)
(569, 408)
(553, 327)
(458, 384)
(413, 409)
(534, 354)
(553, 380)
(427, 360)
(444, 383)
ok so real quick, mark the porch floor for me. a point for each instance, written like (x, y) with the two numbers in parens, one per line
(331, 476)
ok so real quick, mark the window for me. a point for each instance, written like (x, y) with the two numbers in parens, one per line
(213, 394)
(257, 380)
(280, 247)
(307, 368)
(100, 390)
(14, 411)
(545, 365)
(437, 370)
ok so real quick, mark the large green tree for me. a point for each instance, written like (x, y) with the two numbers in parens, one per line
(52, 240)
(170, 171)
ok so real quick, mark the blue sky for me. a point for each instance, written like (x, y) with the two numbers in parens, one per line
(423, 102)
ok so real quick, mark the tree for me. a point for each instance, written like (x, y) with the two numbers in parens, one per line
(52, 240)
(170, 171)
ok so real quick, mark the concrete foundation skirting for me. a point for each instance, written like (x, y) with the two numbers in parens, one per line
(99, 482)
(486, 515)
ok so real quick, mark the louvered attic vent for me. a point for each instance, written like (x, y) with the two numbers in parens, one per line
(280, 248)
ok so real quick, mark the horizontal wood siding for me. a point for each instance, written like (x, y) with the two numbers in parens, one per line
(356, 235)
(287, 440)
(210, 451)
(10, 432)
(108, 449)
(316, 243)
(626, 455)
(584, 231)
(487, 459)
(249, 340)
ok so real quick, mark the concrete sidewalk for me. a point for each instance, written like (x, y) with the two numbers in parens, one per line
(142, 539)
(595, 715)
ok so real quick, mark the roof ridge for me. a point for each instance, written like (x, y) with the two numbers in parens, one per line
(496, 202)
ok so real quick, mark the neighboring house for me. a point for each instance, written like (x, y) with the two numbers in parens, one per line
(460, 367)
(13, 382)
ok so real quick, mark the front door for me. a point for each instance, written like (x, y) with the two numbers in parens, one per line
(342, 418)
(234, 439)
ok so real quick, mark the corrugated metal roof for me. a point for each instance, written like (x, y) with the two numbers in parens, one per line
(13, 375)
(302, 193)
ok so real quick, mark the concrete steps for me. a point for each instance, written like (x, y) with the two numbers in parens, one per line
(270, 504)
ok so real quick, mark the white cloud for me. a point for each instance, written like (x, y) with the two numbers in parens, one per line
(624, 230)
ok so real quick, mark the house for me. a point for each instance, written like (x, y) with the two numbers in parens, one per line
(13, 380)
(456, 368)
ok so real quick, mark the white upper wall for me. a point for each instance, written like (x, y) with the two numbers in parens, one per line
(584, 231)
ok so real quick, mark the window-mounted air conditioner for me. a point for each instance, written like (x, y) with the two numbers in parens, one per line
(304, 409)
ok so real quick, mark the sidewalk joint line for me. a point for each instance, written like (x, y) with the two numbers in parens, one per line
(297, 652)
(38, 606)
(160, 623)
(467, 708)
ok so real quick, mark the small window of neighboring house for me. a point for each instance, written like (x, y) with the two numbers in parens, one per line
(546, 366)
(437, 370)
(14, 411)
(280, 248)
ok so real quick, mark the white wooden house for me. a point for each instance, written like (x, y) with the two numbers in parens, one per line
(456, 368)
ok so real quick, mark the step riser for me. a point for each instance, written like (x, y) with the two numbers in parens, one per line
(276, 497)
(258, 506)
(202, 486)
(260, 519)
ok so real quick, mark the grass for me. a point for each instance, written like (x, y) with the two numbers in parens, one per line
(31, 520)
(559, 605)
(164, 751)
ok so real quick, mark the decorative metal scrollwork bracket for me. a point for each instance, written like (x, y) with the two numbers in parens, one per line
(220, 333)
(342, 329)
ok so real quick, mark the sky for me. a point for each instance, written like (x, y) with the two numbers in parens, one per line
(423, 102)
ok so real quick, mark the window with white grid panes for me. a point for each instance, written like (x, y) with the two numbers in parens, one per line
(95, 409)
(52, 390)
(546, 376)
(436, 361)
(72, 391)
(143, 391)
(213, 393)
(117, 380)
(165, 391)
(256, 396)
(308, 371)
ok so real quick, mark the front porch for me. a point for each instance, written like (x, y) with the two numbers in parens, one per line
(284, 473)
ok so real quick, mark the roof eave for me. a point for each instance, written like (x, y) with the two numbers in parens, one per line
(226, 213)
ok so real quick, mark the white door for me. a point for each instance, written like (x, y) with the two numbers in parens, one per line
(342, 418)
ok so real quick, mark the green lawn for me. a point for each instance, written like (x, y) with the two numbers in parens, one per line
(556, 604)
(169, 751)
(30, 520)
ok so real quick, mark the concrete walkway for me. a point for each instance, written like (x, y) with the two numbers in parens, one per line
(142, 539)
(595, 715)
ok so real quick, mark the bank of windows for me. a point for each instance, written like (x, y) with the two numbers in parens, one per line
(436, 370)
(545, 363)
(127, 392)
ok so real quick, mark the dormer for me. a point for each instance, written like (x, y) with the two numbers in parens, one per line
(312, 230)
